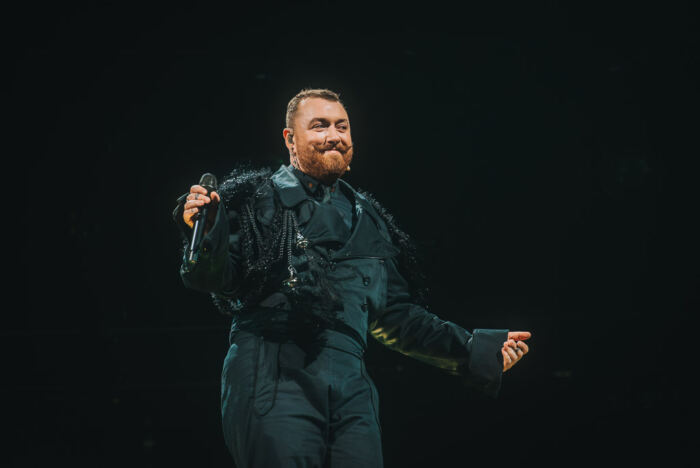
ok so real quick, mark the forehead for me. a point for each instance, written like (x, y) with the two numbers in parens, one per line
(319, 108)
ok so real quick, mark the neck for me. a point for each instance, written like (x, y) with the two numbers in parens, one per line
(326, 182)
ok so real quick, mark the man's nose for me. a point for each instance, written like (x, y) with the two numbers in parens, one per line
(332, 136)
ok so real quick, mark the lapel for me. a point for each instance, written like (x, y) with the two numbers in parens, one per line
(288, 187)
(322, 222)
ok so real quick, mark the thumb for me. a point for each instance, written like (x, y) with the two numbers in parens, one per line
(519, 335)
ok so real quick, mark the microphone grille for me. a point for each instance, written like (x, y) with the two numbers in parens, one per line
(208, 181)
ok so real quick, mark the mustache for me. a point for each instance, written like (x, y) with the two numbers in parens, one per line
(341, 148)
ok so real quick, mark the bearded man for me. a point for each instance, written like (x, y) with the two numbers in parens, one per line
(308, 267)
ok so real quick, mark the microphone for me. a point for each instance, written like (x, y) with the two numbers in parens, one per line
(208, 181)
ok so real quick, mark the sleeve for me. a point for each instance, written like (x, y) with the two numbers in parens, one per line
(219, 267)
(411, 330)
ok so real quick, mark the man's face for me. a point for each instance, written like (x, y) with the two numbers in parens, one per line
(321, 139)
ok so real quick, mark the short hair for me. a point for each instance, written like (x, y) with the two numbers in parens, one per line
(293, 104)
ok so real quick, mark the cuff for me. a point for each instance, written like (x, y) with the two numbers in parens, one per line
(216, 239)
(185, 230)
(208, 274)
(485, 367)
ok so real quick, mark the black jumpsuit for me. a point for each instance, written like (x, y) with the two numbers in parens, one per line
(310, 403)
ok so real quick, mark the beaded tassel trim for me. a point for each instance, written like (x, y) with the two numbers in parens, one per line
(300, 242)
(289, 231)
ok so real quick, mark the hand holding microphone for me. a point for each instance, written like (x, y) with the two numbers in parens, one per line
(197, 213)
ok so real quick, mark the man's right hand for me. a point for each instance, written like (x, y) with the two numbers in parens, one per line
(198, 198)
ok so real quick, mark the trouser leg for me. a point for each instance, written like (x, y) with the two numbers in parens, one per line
(278, 416)
(355, 434)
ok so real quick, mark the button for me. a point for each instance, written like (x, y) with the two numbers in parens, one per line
(364, 307)
(332, 266)
(365, 280)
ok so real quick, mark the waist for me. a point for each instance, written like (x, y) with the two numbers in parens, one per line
(287, 325)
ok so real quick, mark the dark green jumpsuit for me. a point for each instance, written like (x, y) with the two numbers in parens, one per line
(310, 403)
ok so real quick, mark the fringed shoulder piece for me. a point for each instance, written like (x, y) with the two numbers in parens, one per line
(410, 263)
(243, 182)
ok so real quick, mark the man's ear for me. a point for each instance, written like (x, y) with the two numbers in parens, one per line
(288, 137)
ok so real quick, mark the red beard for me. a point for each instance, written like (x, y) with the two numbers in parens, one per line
(324, 166)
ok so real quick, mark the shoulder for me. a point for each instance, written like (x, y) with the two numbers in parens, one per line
(245, 184)
(377, 211)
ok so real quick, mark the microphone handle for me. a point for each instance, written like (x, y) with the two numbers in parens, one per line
(198, 229)
(197, 233)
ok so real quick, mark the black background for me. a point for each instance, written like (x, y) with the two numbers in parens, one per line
(544, 159)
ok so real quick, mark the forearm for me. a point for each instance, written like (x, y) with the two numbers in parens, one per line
(410, 329)
(415, 332)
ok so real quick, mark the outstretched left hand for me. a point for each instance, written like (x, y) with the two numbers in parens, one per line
(515, 348)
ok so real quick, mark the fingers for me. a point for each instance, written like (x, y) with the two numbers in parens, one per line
(507, 361)
(200, 197)
(517, 346)
(198, 189)
(187, 216)
(523, 347)
(201, 190)
(519, 335)
(192, 207)
(513, 351)
(513, 355)
(195, 200)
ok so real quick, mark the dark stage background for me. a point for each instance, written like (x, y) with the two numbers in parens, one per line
(544, 160)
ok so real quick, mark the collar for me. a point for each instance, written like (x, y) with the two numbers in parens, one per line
(289, 181)
(291, 193)
(311, 185)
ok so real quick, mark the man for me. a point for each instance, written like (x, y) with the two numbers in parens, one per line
(307, 267)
